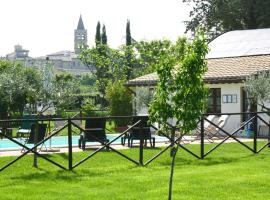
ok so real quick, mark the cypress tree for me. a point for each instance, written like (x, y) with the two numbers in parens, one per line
(128, 52)
(128, 34)
(104, 35)
(98, 36)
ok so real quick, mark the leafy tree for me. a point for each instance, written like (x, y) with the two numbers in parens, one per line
(180, 93)
(120, 101)
(98, 35)
(66, 88)
(56, 88)
(151, 53)
(18, 86)
(107, 62)
(219, 16)
(25, 85)
(87, 79)
(12, 89)
(34, 83)
(104, 35)
(257, 87)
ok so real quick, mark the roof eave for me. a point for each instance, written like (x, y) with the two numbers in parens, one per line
(223, 80)
(218, 80)
(142, 83)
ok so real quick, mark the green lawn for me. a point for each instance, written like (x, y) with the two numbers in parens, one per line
(231, 172)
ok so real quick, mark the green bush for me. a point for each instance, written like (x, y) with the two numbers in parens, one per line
(90, 109)
(120, 101)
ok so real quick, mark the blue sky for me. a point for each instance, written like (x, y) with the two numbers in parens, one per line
(45, 27)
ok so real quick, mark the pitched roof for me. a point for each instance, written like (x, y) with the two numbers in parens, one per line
(220, 70)
(80, 24)
(240, 43)
(235, 69)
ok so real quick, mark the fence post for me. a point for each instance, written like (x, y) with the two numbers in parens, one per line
(268, 137)
(69, 144)
(172, 140)
(255, 134)
(141, 143)
(35, 164)
(202, 137)
(81, 115)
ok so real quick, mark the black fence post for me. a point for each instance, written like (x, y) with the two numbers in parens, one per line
(255, 133)
(35, 162)
(69, 144)
(81, 115)
(202, 137)
(268, 135)
(141, 143)
(172, 140)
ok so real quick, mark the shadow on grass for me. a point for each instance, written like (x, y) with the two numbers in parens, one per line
(71, 176)
(62, 155)
(209, 161)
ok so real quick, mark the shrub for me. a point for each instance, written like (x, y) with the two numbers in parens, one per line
(120, 101)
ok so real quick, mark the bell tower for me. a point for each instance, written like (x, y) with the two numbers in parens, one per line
(80, 37)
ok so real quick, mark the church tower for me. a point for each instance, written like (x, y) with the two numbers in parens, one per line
(80, 36)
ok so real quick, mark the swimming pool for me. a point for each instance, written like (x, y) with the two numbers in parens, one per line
(62, 141)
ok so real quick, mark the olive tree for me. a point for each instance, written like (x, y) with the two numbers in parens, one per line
(181, 93)
(257, 87)
(57, 88)
(18, 86)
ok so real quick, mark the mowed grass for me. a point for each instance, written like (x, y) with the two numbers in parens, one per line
(230, 172)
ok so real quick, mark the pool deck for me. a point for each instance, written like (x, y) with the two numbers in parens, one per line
(187, 140)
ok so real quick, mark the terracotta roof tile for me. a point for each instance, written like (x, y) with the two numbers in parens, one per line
(233, 69)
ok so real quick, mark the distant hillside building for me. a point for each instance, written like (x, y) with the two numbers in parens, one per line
(19, 52)
(63, 60)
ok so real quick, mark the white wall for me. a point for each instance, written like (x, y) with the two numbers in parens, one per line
(233, 121)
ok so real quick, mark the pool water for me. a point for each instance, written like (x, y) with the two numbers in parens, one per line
(62, 141)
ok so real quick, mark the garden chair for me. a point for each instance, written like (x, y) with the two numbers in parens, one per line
(135, 132)
(212, 131)
(207, 127)
(25, 127)
(94, 131)
(41, 132)
(6, 128)
(59, 124)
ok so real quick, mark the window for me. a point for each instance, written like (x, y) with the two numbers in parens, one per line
(214, 100)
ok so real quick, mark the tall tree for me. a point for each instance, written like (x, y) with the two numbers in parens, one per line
(107, 62)
(180, 93)
(128, 34)
(98, 35)
(152, 52)
(219, 16)
(104, 35)
(128, 52)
